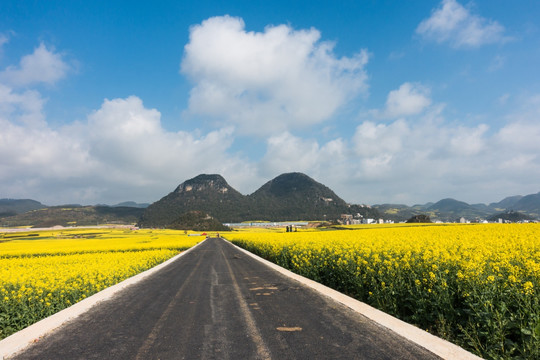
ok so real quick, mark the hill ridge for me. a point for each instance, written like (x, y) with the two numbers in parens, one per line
(289, 196)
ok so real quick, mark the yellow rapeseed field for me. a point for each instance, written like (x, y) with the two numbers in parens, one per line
(476, 285)
(46, 271)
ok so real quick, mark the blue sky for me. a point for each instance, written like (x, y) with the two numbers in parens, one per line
(382, 101)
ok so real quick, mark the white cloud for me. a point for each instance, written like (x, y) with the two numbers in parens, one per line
(372, 139)
(23, 107)
(267, 82)
(409, 99)
(29, 148)
(121, 152)
(289, 153)
(127, 138)
(419, 160)
(468, 141)
(453, 23)
(524, 136)
(42, 66)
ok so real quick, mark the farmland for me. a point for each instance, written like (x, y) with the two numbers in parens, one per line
(44, 272)
(475, 285)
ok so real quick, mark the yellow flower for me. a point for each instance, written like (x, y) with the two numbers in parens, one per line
(50, 268)
(528, 288)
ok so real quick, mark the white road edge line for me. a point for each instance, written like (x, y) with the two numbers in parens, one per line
(432, 343)
(25, 337)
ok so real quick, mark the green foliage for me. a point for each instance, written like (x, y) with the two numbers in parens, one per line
(80, 216)
(291, 196)
(513, 216)
(419, 219)
(488, 305)
(197, 221)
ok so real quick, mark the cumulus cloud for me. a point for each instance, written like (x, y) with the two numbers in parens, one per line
(30, 149)
(454, 24)
(128, 138)
(120, 152)
(419, 160)
(22, 107)
(409, 99)
(371, 139)
(289, 153)
(42, 66)
(520, 135)
(267, 82)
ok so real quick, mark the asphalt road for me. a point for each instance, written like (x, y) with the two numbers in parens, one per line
(219, 303)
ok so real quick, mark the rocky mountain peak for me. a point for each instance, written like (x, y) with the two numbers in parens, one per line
(204, 182)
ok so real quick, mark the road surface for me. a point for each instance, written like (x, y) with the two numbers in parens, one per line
(219, 303)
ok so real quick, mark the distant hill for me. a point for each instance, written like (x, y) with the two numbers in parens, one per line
(529, 204)
(506, 203)
(452, 210)
(449, 205)
(11, 207)
(67, 215)
(400, 212)
(292, 196)
(296, 196)
(132, 204)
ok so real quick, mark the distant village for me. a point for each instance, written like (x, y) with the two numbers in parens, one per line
(357, 219)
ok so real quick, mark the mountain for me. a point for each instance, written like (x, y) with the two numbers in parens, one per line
(210, 194)
(529, 204)
(451, 209)
(482, 207)
(506, 203)
(292, 196)
(296, 196)
(11, 207)
(449, 205)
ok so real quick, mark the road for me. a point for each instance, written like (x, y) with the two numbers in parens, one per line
(219, 303)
